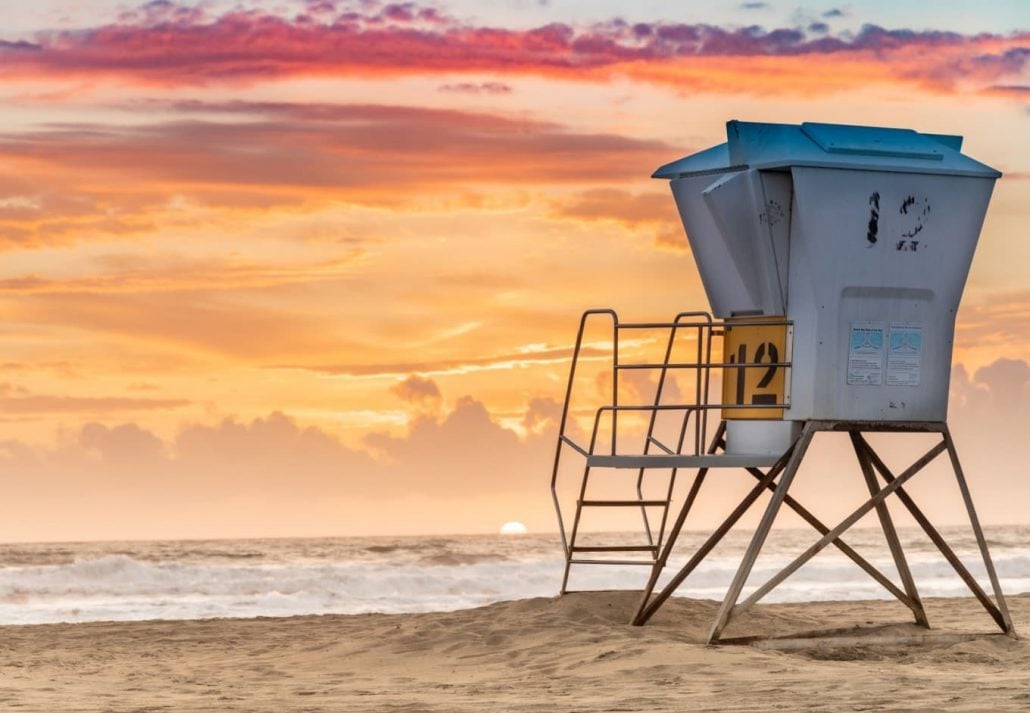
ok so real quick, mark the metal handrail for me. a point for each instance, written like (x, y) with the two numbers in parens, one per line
(705, 330)
(565, 416)
(654, 418)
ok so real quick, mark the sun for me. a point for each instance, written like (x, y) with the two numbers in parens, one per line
(513, 527)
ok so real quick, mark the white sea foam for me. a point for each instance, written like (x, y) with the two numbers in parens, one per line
(246, 578)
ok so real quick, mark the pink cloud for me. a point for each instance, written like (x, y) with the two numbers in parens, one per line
(270, 476)
(477, 88)
(336, 145)
(169, 42)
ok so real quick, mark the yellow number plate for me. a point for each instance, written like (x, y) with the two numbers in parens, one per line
(763, 383)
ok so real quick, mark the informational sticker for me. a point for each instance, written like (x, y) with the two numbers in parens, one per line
(865, 354)
(904, 354)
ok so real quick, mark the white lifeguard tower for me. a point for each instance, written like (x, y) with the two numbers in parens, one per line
(834, 259)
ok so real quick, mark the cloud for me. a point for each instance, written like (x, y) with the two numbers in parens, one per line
(126, 444)
(268, 457)
(421, 393)
(127, 274)
(529, 355)
(156, 12)
(197, 323)
(362, 149)
(74, 183)
(272, 476)
(984, 67)
(465, 452)
(1012, 91)
(178, 44)
(417, 389)
(17, 401)
(1000, 390)
(19, 46)
(618, 205)
(999, 324)
(988, 413)
(241, 307)
(542, 413)
(653, 212)
(477, 88)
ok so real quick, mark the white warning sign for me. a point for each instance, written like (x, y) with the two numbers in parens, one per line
(865, 354)
(904, 355)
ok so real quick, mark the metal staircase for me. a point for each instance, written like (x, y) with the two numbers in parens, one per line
(682, 404)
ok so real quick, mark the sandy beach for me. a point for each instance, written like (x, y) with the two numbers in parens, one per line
(571, 654)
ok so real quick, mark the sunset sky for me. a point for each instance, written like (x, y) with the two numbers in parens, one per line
(314, 268)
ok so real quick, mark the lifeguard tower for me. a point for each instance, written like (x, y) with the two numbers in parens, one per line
(834, 259)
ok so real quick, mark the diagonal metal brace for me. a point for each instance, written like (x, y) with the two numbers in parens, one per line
(648, 608)
(890, 533)
(936, 538)
(858, 559)
(833, 534)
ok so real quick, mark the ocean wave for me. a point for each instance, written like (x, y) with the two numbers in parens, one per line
(113, 581)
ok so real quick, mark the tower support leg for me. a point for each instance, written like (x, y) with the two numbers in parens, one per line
(974, 521)
(649, 606)
(870, 464)
(1000, 615)
(677, 525)
(846, 549)
(758, 539)
(889, 532)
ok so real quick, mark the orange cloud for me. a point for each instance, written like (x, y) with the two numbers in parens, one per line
(171, 274)
(417, 390)
(997, 326)
(81, 180)
(532, 355)
(197, 324)
(652, 212)
(19, 401)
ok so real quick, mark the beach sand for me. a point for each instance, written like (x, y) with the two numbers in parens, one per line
(576, 653)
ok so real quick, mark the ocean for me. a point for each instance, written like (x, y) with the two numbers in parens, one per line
(193, 579)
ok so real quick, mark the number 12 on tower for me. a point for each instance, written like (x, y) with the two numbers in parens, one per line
(755, 375)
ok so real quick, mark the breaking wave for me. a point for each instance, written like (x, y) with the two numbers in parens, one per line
(248, 578)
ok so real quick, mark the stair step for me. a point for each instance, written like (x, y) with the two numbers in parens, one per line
(624, 503)
(615, 548)
(649, 563)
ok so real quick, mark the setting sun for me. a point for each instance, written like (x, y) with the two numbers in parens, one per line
(513, 527)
